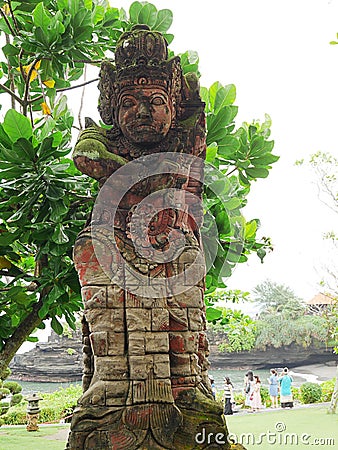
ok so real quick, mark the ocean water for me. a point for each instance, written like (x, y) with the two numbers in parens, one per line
(316, 374)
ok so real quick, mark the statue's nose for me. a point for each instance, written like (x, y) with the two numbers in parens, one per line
(144, 111)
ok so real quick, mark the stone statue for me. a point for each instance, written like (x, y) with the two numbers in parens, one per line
(140, 260)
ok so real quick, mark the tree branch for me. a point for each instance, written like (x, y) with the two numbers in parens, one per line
(11, 93)
(64, 89)
(7, 22)
(13, 17)
(28, 80)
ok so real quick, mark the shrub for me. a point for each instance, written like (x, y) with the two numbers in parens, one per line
(265, 396)
(13, 386)
(4, 406)
(4, 392)
(296, 394)
(239, 398)
(310, 392)
(53, 407)
(16, 399)
(15, 416)
(327, 389)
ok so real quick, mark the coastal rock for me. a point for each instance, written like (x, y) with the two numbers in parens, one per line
(58, 360)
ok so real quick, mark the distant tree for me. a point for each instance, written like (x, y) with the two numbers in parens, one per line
(277, 298)
(325, 168)
(278, 330)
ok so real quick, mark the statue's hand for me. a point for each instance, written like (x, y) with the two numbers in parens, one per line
(91, 154)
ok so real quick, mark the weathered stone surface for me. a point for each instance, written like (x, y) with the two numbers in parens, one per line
(140, 261)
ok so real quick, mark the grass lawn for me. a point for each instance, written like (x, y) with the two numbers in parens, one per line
(291, 429)
(18, 438)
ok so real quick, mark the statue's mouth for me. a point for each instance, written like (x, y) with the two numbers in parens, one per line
(144, 127)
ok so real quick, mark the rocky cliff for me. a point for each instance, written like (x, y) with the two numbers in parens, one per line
(60, 359)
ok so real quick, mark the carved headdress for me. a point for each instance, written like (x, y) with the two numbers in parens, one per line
(141, 58)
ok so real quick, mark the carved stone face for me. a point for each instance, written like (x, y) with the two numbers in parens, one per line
(145, 114)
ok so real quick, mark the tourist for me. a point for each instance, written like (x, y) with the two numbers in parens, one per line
(285, 382)
(228, 396)
(273, 388)
(255, 398)
(248, 387)
(213, 386)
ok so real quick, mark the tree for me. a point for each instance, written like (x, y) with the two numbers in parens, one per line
(325, 167)
(277, 298)
(44, 200)
(239, 330)
(278, 330)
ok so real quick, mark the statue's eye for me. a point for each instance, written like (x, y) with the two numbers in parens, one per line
(128, 103)
(157, 101)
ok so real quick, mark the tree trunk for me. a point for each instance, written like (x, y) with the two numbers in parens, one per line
(20, 335)
(334, 398)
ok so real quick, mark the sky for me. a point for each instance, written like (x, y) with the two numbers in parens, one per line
(278, 54)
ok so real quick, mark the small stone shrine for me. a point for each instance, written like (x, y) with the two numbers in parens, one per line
(140, 260)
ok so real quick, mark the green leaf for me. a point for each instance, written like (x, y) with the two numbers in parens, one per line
(55, 293)
(223, 223)
(250, 229)
(213, 92)
(17, 126)
(134, 11)
(217, 123)
(213, 314)
(164, 20)
(41, 37)
(54, 192)
(148, 15)
(264, 160)
(232, 204)
(59, 236)
(63, 4)
(32, 339)
(169, 38)
(10, 50)
(43, 311)
(83, 33)
(88, 4)
(41, 17)
(218, 186)
(4, 138)
(24, 149)
(45, 149)
(228, 146)
(225, 96)
(98, 14)
(15, 320)
(260, 146)
(56, 325)
(58, 209)
(211, 153)
(257, 172)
